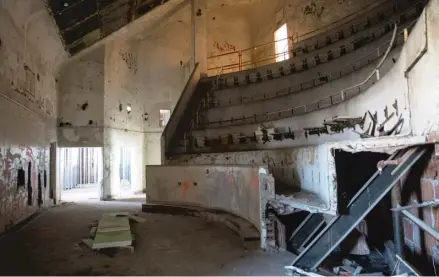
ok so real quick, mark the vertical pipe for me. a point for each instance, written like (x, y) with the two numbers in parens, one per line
(398, 235)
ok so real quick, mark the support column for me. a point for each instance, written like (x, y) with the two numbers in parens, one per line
(199, 34)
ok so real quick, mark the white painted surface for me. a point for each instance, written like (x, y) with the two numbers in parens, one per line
(423, 78)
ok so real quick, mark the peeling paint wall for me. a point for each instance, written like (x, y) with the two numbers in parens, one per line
(30, 53)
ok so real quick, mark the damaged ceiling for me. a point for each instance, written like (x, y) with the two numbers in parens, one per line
(82, 23)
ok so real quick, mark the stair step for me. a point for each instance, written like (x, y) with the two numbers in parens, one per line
(361, 204)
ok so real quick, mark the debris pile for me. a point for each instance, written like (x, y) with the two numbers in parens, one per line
(113, 230)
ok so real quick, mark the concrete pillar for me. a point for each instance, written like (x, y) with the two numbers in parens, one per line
(106, 190)
(200, 45)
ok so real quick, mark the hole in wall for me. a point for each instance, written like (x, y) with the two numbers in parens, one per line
(21, 178)
(129, 109)
(90, 122)
(353, 171)
(195, 184)
(40, 190)
(120, 107)
(84, 106)
(45, 178)
(29, 184)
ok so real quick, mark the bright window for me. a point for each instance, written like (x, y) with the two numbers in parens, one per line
(164, 117)
(281, 38)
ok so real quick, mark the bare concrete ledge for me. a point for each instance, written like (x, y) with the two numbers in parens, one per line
(244, 229)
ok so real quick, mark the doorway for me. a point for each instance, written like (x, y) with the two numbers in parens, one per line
(80, 174)
(281, 43)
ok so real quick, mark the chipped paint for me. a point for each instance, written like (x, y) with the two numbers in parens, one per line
(13, 198)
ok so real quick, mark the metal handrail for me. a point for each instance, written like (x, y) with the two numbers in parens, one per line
(241, 64)
(323, 56)
(192, 124)
(342, 93)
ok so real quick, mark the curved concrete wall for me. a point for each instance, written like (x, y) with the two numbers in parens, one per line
(241, 190)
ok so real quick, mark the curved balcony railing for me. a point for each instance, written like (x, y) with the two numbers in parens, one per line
(334, 99)
(410, 11)
(244, 59)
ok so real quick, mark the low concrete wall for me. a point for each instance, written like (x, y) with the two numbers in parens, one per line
(241, 190)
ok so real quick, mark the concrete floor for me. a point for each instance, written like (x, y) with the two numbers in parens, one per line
(165, 245)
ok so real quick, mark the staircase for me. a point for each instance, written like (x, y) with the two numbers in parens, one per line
(361, 204)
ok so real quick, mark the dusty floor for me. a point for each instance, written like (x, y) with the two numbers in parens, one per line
(165, 245)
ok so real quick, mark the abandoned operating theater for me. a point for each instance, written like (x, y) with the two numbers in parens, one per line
(218, 137)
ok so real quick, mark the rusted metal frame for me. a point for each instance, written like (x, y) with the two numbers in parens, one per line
(398, 162)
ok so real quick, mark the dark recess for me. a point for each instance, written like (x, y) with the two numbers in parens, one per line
(353, 171)
(45, 178)
(29, 184)
(40, 191)
(21, 178)
(84, 106)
